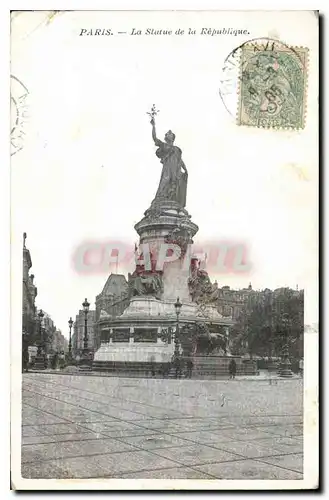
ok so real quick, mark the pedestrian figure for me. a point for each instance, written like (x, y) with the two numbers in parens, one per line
(152, 366)
(26, 360)
(54, 361)
(301, 367)
(189, 366)
(177, 365)
(165, 369)
(232, 369)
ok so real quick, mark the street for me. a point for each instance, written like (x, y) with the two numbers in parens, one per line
(108, 427)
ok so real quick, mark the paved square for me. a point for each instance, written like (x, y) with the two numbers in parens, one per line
(89, 427)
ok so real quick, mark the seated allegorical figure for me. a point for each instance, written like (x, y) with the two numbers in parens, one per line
(201, 288)
(145, 284)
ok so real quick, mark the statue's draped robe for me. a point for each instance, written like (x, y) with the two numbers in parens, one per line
(173, 181)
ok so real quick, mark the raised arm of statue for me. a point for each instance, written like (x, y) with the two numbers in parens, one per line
(157, 141)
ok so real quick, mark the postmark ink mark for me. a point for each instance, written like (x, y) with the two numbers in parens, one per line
(19, 114)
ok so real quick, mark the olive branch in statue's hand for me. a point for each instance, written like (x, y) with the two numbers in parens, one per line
(153, 113)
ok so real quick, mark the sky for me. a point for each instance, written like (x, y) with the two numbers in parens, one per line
(88, 170)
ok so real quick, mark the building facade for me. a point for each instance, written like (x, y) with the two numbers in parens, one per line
(231, 302)
(59, 342)
(48, 331)
(30, 292)
(113, 300)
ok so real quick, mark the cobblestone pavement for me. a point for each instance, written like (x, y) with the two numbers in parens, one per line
(89, 427)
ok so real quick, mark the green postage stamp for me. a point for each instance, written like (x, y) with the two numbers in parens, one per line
(273, 85)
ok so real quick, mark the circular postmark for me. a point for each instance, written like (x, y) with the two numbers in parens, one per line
(18, 114)
(263, 83)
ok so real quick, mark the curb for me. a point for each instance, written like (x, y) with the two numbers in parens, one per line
(106, 375)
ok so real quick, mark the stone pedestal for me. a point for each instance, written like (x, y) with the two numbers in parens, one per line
(40, 362)
(86, 362)
(284, 369)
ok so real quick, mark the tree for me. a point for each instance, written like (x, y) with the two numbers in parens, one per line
(269, 321)
(289, 321)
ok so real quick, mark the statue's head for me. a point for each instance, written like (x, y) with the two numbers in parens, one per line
(170, 137)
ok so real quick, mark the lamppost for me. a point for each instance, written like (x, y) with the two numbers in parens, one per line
(85, 361)
(70, 338)
(39, 363)
(85, 306)
(178, 306)
(285, 365)
(25, 351)
(40, 346)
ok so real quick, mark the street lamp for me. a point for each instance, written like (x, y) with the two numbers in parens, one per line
(39, 362)
(177, 360)
(40, 315)
(25, 351)
(285, 365)
(85, 362)
(85, 306)
(70, 338)
(178, 306)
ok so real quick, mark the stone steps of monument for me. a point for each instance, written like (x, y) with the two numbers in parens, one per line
(138, 368)
(212, 370)
(84, 368)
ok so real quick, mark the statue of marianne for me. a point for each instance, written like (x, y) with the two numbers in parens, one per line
(173, 182)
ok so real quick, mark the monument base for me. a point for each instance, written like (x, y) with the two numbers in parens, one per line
(141, 362)
(128, 355)
(137, 358)
(136, 337)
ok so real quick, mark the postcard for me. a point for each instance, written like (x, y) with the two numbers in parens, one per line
(164, 250)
